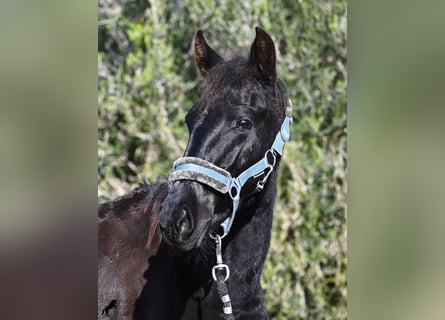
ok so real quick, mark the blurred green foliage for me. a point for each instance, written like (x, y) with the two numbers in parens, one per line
(148, 81)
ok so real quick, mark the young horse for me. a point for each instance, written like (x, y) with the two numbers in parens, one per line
(220, 197)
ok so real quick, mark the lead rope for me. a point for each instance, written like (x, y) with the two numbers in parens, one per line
(220, 273)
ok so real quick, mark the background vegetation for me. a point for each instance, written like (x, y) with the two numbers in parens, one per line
(148, 81)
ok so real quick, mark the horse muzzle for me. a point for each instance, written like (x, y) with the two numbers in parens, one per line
(185, 220)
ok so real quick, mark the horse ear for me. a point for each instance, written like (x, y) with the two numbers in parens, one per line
(262, 56)
(205, 56)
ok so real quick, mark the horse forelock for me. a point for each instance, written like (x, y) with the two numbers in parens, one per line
(234, 83)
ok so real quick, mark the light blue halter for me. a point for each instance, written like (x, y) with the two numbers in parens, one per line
(196, 169)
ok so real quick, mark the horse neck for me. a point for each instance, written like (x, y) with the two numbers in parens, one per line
(246, 248)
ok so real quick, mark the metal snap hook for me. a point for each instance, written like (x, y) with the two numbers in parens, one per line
(221, 266)
(219, 262)
(261, 183)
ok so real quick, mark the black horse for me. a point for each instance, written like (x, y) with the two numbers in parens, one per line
(237, 129)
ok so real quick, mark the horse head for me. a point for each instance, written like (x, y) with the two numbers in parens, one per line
(231, 127)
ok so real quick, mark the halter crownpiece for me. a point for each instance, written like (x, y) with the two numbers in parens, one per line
(205, 172)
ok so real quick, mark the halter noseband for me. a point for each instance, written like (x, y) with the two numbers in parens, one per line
(205, 172)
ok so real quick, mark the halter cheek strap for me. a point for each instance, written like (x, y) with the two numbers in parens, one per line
(202, 171)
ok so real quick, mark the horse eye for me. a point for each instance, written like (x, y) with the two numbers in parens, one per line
(245, 124)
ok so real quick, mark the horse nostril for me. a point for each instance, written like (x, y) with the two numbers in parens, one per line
(184, 221)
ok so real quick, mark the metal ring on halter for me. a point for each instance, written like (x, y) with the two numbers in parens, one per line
(217, 235)
(234, 185)
(272, 154)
